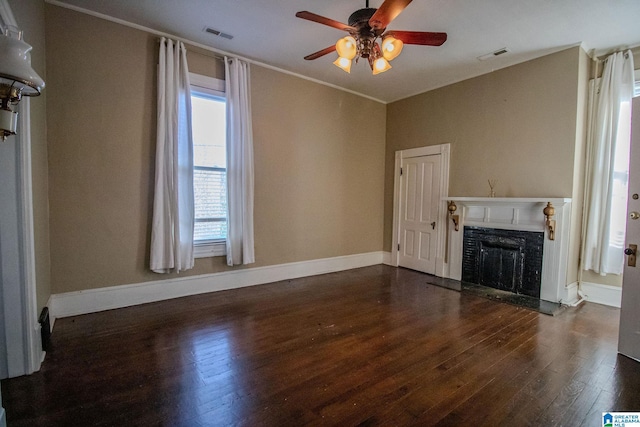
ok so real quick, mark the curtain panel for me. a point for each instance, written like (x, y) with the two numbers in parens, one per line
(240, 174)
(173, 208)
(609, 140)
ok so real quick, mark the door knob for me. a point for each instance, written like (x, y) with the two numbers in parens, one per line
(631, 254)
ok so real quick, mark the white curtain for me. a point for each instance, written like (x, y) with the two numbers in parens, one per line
(173, 211)
(240, 245)
(608, 166)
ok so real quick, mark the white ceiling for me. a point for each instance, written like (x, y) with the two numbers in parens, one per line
(267, 31)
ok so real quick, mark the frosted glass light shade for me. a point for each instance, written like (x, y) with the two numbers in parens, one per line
(391, 47)
(380, 65)
(346, 47)
(343, 63)
(15, 69)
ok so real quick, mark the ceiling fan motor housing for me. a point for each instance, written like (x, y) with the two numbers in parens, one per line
(365, 35)
(361, 16)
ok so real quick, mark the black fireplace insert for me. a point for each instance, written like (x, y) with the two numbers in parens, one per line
(509, 260)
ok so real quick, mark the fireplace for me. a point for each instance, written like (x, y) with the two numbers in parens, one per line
(510, 260)
(503, 256)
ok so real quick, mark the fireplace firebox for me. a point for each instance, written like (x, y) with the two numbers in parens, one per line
(509, 260)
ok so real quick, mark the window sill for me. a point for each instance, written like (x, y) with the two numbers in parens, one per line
(210, 249)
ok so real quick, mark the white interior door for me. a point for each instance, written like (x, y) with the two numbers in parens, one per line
(629, 339)
(419, 201)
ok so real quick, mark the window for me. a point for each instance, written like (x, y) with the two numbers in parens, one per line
(208, 116)
(621, 177)
(620, 186)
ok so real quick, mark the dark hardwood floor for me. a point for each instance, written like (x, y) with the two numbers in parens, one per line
(371, 346)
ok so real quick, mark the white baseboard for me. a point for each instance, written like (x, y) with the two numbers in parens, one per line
(386, 259)
(94, 300)
(602, 294)
(570, 295)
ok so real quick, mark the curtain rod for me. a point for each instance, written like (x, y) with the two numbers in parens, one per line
(598, 61)
(603, 57)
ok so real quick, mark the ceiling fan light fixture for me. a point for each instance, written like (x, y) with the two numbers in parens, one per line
(367, 37)
(343, 63)
(380, 65)
(391, 47)
(346, 47)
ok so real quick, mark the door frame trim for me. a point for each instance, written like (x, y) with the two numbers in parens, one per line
(441, 149)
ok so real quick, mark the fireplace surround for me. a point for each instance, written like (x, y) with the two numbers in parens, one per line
(518, 214)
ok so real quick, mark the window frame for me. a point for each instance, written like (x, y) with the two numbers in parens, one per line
(214, 87)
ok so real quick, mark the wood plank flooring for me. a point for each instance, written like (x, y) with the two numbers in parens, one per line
(376, 346)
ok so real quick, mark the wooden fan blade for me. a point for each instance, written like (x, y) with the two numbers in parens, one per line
(322, 20)
(320, 53)
(419, 37)
(387, 13)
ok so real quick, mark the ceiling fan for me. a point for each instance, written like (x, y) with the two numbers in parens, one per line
(365, 27)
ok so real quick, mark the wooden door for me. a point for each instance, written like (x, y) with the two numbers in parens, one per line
(629, 338)
(419, 201)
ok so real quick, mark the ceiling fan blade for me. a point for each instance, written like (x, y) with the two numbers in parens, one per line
(320, 53)
(322, 20)
(419, 37)
(386, 13)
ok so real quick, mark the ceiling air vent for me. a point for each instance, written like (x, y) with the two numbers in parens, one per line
(218, 33)
(493, 54)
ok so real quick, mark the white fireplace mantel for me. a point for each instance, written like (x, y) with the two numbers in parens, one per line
(512, 213)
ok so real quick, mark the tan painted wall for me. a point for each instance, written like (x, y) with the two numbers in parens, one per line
(319, 184)
(31, 17)
(516, 125)
(205, 62)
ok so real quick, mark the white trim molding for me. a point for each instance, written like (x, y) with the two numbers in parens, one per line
(34, 347)
(386, 259)
(570, 294)
(602, 294)
(94, 300)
